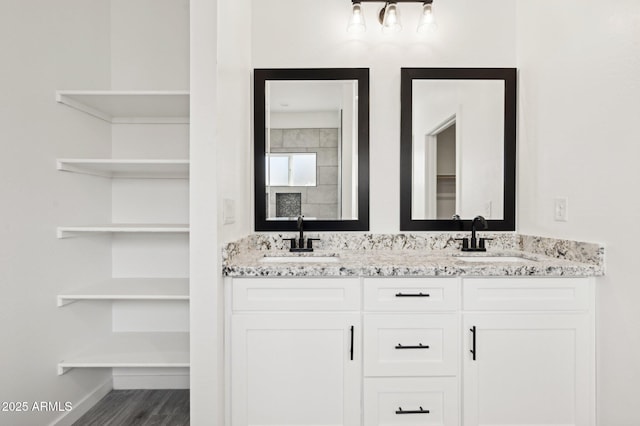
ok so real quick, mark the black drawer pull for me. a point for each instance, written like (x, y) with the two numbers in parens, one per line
(420, 411)
(421, 294)
(420, 346)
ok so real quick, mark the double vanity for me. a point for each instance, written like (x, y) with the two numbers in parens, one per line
(404, 329)
(408, 330)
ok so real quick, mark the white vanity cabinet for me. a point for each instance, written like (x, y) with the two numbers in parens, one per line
(437, 351)
(295, 352)
(529, 355)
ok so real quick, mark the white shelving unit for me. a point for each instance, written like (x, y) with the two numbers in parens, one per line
(130, 107)
(127, 168)
(138, 344)
(130, 289)
(134, 350)
(69, 231)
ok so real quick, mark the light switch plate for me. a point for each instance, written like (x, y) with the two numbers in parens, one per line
(561, 209)
(228, 211)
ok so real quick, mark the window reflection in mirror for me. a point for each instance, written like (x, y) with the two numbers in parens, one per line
(291, 169)
(312, 146)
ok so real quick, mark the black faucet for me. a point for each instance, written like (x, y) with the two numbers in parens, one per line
(300, 247)
(477, 223)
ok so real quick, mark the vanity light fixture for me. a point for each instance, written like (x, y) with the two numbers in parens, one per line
(427, 21)
(356, 23)
(389, 16)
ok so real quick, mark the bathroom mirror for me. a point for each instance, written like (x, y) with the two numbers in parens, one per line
(311, 149)
(457, 148)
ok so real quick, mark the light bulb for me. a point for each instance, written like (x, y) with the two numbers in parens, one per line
(356, 22)
(427, 22)
(391, 20)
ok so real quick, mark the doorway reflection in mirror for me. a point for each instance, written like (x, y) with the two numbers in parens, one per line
(458, 148)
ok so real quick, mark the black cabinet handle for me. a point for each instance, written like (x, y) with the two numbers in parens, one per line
(420, 411)
(420, 346)
(473, 342)
(351, 350)
(412, 295)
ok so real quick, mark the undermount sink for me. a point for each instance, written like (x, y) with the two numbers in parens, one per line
(300, 259)
(492, 258)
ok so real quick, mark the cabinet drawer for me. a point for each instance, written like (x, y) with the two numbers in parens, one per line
(411, 294)
(410, 345)
(530, 294)
(296, 294)
(397, 401)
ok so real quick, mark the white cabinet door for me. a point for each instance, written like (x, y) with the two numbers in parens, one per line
(529, 369)
(296, 369)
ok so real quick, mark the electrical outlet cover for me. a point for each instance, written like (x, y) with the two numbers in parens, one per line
(228, 211)
(561, 209)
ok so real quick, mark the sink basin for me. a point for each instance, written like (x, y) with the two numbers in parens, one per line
(299, 259)
(492, 258)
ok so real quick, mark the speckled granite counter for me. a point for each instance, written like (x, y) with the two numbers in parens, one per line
(434, 254)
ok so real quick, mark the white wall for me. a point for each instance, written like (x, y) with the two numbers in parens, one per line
(48, 46)
(578, 138)
(304, 120)
(480, 131)
(235, 89)
(220, 155)
(349, 153)
(206, 358)
(312, 33)
(149, 44)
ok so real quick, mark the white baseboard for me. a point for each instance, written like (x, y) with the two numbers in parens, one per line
(84, 405)
(151, 382)
(151, 378)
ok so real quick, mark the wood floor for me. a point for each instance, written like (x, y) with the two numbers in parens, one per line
(139, 408)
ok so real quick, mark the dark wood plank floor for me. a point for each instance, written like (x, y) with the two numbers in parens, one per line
(139, 408)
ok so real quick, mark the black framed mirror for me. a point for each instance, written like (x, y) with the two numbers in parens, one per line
(457, 148)
(311, 149)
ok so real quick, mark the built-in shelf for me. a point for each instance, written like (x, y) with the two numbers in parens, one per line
(126, 168)
(129, 349)
(130, 289)
(70, 231)
(130, 107)
(136, 350)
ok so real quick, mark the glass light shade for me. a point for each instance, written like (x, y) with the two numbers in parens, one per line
(391, 20)
(427, 21)
(356, 22)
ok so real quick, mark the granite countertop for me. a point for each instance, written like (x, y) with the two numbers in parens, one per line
(401, 255)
